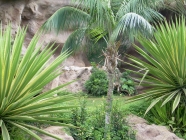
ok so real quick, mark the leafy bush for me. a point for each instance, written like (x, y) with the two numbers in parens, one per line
(127, 84)
(175, 121)
(91, 124)
(22, 79)
(97, 84)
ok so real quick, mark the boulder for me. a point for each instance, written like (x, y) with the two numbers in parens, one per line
(57, 131)
(71, 73)
(144, 131)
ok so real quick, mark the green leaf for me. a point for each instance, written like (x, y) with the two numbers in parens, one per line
(5, 132)
(39, 130)
(170, 97)
(1, 121)
(23, 78)
(153, 104)
(124, 86)
(176, 102)
(67, 18)
(26, 130)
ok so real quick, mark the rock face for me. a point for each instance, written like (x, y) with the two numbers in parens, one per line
(79, 74)
(33, 13)
(57, 131)
(149, 132)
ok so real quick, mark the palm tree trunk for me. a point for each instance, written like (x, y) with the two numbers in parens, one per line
(109, 106)
(111, 65)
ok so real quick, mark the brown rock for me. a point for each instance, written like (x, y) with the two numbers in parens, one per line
(149, 132)
(33, 13)
(57, 131)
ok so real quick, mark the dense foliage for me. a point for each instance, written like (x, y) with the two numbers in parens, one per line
(165, 74)
(106, 24)
(165, 70)
(22, 79)
(127, 84)
(176, 121)
(97, 84)
(91, 124)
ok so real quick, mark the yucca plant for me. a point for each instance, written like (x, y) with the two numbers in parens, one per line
(22, 78)
(165, 65)
(175, 121)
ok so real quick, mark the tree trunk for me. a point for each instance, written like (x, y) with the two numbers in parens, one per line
(108, 111)
(111, 65)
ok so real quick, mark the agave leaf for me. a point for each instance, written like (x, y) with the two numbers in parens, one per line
(5, 132)
(154, 103)
(22, 78)
(145, 74)
(170, 97)
(184, 90)
(39, 130)
(165, 59)
(26, 130)
(176, 102)
(184, 117)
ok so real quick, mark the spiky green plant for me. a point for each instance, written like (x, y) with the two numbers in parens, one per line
(22, 78)
(165, 65)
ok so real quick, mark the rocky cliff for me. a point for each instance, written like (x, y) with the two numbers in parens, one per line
(33, 13)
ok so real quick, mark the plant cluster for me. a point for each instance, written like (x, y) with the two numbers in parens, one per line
(165, 76)
(127, 84)
(22, 79)
(176, 121)
(97, 84)
(91, 124)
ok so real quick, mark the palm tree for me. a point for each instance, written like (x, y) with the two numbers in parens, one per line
(105, 24)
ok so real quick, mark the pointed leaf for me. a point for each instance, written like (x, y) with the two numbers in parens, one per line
(5, 132)
(176, 102)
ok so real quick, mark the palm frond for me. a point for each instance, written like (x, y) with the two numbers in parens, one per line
(67, 18)
(141, 7)
(75, 40)
(131, 24)
(94, 50)
(99, 11)
(177, 6)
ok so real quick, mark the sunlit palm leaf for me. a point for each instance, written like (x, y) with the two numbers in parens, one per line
(131, 24)
(139, 7)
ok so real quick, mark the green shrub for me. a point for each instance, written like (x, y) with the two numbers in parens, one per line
(22, 78)
(176, 121)
(127, 84)
(91, 124)
(97, 84)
